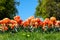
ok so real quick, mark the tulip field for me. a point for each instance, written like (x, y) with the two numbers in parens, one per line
(30, 29)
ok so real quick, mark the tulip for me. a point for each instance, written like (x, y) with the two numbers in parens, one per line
(40, 24)
(20, 22)
(53, 19)
(4, 28)
(45, 22)
(36, 24)
(25, 23)
(38, 20)
(12, 27)
(32, 23)
(50, 24)
(32, 17)
(6, 20)
(57, 24)
(13, 24)
(17, 18)
(1, 21)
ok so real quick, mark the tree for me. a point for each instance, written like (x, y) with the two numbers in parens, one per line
(48, 8)
(8, 8)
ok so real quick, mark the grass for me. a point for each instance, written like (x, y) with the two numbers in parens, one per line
(30, 36)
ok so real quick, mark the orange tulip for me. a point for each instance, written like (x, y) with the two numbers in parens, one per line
(20, 22)
(36, 24)
(40, 23)
(38, 20)
(17, 18)
(25, 23)
(12, 27)
(53, 19)
(46, 22)
(4, 28)
(32, 17)
(13, 22)
(6, 20)
(1, 21)
(50, 23)
(32, 22)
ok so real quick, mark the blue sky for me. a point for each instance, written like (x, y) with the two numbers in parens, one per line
(26, 8)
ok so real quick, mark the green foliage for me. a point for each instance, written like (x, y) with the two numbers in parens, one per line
(48, 8)
(33, 36)
(7, 8)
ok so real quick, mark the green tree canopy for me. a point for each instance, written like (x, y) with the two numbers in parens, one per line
(7, 8)
(48, 8)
